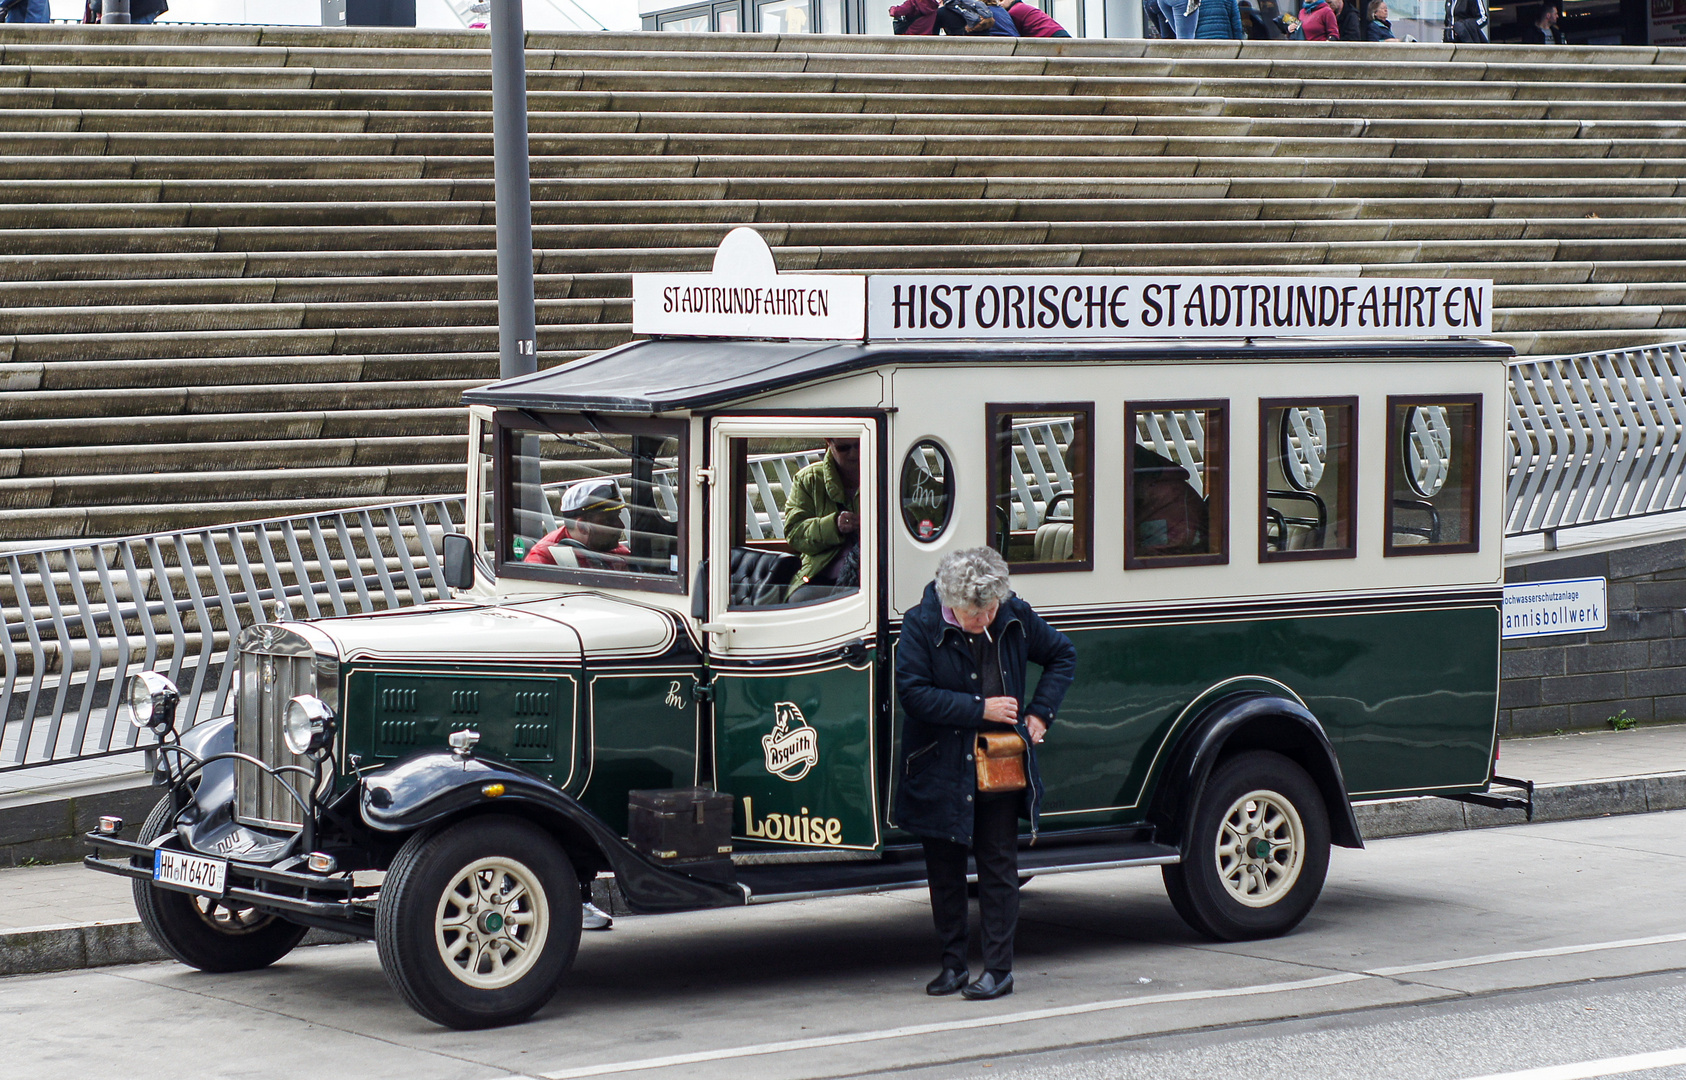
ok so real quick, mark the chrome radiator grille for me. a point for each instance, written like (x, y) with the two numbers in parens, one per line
(268, 681)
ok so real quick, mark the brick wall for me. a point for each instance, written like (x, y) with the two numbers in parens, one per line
(1578, 681)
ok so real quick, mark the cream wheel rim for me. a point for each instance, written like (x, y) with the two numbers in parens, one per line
(1261, 848)
(492, 923)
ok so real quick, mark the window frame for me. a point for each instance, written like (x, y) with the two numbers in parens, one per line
(952, 492)
(508, 423)
(1217, 502)
(1348, 490)
(1082, 507)
(1396, 405)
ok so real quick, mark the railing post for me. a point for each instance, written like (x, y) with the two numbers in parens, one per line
(115, 11)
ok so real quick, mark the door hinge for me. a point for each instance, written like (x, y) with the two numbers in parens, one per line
(702, 691)
(705, 476)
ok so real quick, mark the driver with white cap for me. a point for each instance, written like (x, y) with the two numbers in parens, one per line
(594, 520)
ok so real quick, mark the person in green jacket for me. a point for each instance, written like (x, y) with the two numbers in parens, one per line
(822, 522)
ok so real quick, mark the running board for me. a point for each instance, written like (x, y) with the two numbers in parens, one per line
(1523, 802)
(772, 884)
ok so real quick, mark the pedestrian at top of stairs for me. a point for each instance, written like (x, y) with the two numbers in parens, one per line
(26, 11)
(1032, 21)
(1220, 19)
(1319, 21)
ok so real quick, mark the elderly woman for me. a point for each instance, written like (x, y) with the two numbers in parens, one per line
(960, 671)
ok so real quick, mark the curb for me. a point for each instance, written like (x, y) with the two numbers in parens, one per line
(73, 946)
(1572, 801)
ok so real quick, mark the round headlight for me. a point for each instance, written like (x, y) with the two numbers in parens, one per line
(309, 724)
(151, 699)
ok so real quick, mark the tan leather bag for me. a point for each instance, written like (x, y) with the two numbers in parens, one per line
(1001, 761)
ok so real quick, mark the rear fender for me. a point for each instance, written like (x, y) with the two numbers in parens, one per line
(435, 789)
(1238, 722)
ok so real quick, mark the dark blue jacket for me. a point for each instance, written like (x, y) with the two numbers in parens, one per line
(937, 687)
(1219, 19)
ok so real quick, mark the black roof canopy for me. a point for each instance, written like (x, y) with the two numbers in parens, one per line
(663, 375)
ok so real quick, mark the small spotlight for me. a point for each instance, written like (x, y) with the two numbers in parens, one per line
(110, 826)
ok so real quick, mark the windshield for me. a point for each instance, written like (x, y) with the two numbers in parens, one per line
(597, 502)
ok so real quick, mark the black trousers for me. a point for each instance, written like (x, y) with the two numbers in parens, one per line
(995, 847)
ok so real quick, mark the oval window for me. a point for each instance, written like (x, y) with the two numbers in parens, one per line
(927, 491)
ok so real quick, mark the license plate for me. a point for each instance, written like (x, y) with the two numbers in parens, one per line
(190, 872)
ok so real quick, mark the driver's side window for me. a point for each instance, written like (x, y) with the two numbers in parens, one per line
(796, 520)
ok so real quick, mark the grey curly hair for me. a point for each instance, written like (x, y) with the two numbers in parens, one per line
(972, 578)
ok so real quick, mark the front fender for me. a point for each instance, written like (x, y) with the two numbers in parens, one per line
(436, 787)
(1251, 720)
(216, 780)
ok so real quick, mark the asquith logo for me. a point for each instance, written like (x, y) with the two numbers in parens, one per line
(793, 748)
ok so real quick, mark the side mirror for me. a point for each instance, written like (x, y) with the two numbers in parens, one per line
(459, 561)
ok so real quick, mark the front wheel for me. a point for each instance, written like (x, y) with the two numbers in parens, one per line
(477, 923)
(1259, 850)
(205, 932)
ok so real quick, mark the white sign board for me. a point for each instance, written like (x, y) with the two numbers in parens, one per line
(1556, 607)
(1016, 307)
(746, 296)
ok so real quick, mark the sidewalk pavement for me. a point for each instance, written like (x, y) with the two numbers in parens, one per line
(55, 918)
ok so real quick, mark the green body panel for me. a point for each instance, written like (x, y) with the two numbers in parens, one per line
(525, 718)
(815, 790)
(643, 734)
(1408, 699)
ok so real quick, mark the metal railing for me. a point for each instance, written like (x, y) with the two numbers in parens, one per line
(1596, 437)
(76, 620)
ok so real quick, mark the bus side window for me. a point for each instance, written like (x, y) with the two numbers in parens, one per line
(1176, 506)
(1434, 475)
(1307, 478)
(1041, 463)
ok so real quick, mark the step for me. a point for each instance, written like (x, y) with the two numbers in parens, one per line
(299, 453)
(173, 401)
(233, 427)
(127, 319)
(76, 374)
(395, 482)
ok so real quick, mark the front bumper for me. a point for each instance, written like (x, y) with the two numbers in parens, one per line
(330, 901)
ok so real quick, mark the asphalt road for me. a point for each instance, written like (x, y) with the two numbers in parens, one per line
(1505, 952)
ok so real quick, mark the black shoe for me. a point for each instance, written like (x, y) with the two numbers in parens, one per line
(948, 982)
(989, 987)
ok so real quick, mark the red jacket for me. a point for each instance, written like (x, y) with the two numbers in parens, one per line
(924, 13)
(1319, 22)
(1031, 20)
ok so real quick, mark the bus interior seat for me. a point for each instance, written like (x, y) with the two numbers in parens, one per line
(1055, 541)
(760, 578)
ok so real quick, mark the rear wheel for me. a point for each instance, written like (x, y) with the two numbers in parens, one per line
(206, 932)
(1259, 851)
(477, 922)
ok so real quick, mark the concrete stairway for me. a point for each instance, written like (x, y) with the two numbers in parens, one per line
(248, 271)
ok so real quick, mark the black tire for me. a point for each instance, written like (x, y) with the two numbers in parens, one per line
(204, 932)
(1208, 886)
(434, 900)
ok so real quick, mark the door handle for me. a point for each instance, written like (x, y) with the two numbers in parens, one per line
(854, 653)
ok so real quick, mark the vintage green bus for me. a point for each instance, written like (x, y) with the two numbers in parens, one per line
(1272, 534)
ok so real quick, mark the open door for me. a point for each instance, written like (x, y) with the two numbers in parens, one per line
(792, 630)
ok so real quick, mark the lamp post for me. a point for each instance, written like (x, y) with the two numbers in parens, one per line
(512, 187)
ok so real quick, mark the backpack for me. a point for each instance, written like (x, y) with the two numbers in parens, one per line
(974, 14)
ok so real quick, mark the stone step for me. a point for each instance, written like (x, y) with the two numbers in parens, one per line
(189, 400)
(84, 522)
(113, 319)
(619, 242)
(392, 482)
(762, 167)
(78, 374)
(342, 290)
(217, 429)
(46, 348)
(311, 453)
(77, 105)
(864, 211)
(1661, 143)
(1160, 117)
(790, 194)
